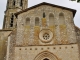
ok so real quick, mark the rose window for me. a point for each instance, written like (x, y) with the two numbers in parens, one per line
(46, 36)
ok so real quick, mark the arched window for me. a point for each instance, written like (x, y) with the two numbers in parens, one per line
(36, 21)
(21, 3)
(16, 25)
(44, 15)
(14, 2)
(11, 20)
(61, 19)
(51, 19)
(28, 21)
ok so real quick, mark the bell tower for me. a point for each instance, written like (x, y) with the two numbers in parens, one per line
(13, 6)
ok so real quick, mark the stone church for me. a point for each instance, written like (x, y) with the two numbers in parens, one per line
(42, 32)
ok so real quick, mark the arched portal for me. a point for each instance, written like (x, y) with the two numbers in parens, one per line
(45, 59)
(46, 56)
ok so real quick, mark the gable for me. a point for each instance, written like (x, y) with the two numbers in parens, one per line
(44, 3)
(57, 20)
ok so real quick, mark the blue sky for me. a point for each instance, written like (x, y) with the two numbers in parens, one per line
(65, 3)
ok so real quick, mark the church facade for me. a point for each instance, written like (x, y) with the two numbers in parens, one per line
(41, 32)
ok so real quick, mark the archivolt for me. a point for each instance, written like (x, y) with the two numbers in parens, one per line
(46, 54)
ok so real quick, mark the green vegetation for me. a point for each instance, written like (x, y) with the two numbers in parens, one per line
(78, 0)
(75, 0)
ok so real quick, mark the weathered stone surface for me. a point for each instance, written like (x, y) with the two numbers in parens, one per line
(64, 31)
(54, 37)
(3, 43)
(62, 52)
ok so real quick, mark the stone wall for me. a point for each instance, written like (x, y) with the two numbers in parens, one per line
(17, 4)
(64, 32)
(11, 45)
(56, 52)
(3, 43)
(26, 42)
(78, 37)
(77, 34)
(13, 7)
(7, 18)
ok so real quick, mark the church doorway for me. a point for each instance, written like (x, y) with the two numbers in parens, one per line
(46, 59)
(45, 55)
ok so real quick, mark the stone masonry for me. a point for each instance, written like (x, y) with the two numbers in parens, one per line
(42, 32)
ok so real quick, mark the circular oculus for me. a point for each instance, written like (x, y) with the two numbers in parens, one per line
(45, 35)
